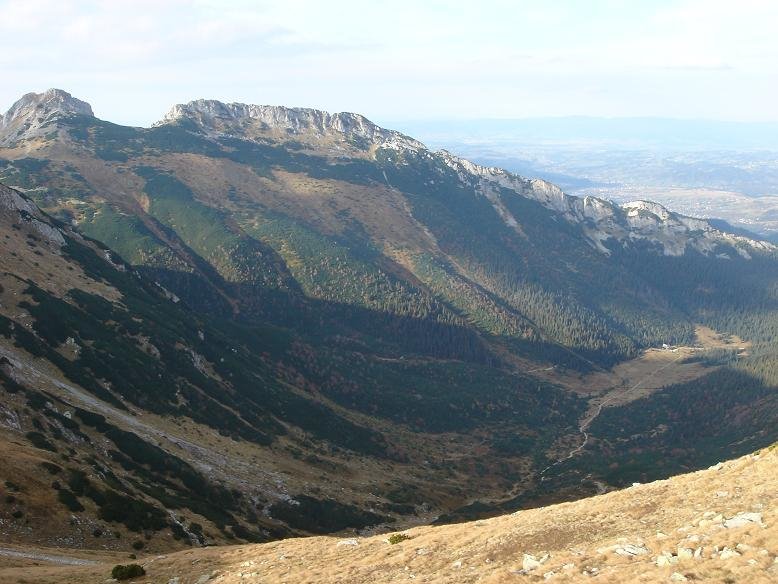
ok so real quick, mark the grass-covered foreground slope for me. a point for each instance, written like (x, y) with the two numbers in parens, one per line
(716, 525)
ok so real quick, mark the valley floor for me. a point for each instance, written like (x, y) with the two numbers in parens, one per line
(715, 525)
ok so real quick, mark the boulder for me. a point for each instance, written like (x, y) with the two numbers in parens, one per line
(685, 553)
(630, 550)
(742, 519)
(531, 562)
(727, 553)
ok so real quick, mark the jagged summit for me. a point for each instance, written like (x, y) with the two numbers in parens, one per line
(220, 117)
(50, 101)
(29, 116)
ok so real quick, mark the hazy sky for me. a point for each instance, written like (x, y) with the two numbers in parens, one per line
(400, 59)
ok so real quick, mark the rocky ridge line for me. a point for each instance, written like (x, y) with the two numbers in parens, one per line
(294, 120)
(602, 220)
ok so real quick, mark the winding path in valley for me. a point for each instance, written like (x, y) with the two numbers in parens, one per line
(618, 393)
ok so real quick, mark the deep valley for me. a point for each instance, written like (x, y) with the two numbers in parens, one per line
(248, 323)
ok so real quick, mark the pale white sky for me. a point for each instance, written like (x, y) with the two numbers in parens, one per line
(400, 59)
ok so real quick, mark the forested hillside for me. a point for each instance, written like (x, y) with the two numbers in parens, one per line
(337, 307)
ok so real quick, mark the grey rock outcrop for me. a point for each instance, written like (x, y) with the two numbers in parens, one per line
(31, 116)
(742, 519)
(12, 201)
(219, 117)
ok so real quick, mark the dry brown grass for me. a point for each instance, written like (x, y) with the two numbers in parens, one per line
(328, 205)
(579, 537)
(652, 370)
(40, 261)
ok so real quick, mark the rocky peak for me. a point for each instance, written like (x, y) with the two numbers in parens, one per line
(33, 112)
(218, 117)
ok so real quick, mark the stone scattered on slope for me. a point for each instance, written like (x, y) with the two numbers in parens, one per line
(666, 559)
(685, 553)
(630, 550)
(728, 553)
(531, 562)
(742, 519)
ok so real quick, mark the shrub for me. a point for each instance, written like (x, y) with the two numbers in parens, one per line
(39, 441)
(324, 516)
(125, 572)
(398, 537)
(138, 545)
(70, 501)
(51, 468)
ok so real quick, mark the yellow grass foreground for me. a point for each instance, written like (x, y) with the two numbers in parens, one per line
(716, 525)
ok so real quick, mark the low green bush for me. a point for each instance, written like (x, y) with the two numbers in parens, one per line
(126, 572)
(398, 537)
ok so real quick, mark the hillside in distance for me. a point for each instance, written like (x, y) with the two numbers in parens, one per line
(374, 334)
(718, 170)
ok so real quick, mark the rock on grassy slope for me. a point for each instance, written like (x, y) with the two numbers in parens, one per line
(715, 525)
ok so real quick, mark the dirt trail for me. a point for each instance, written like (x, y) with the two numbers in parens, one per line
(609, 397)
(53, 559)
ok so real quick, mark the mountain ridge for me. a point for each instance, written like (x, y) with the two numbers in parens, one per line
(300, 120)
(622, 223)
(294, 120)
(427, 334)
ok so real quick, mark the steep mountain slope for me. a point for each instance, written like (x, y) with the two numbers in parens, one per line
(716, 525)
(123, 411)
(230, 206)
(354, 311)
